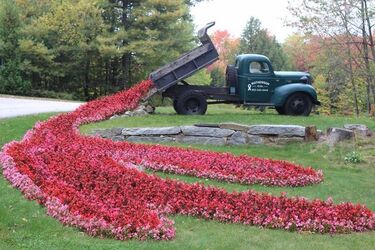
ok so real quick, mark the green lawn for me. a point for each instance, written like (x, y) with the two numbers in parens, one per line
(24, 224)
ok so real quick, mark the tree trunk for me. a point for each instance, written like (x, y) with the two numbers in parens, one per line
(87, 80)
(371, 42)
(369, 77)
(352, 81)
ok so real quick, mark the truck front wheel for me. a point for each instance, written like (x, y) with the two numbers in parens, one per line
(298, 104)
(190, 103)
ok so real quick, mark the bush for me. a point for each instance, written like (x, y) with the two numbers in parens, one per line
(353, 157)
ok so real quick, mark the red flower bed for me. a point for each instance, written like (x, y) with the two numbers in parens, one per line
(93, 183)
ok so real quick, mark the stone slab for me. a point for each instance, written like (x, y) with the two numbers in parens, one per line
(150, 139)
(151, 131)
(280, 130)
(206, 131)
(234, 126)
(107, 133)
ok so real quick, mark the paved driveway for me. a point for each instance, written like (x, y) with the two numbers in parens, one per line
(11, 106)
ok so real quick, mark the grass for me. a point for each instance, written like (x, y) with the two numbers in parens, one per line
(24, 224)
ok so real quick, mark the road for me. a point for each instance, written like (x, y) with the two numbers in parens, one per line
(11, 106)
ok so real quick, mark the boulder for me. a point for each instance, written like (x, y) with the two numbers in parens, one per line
(150, 109)
(203, 140)
(150, 139)
(280, 130)
(239, 138)
(139, 112)
(206, 131)
(151, 131)
(255, 139)
(335, 135)
(118, 138)
(359, 129)
(234, 126)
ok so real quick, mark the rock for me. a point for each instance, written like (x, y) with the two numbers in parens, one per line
(285, 140)
(201, 140)
(238, 138)
(114, 117)
(234, 126)
(150, 139)
(311, 133)
(139, 112)
(255, 139)
(107, 133)
(359, 129)
(118, 138)
(152, 131)
(335, 135)
(281, 130)
(241, 138)
(149, 109)
(206, 131)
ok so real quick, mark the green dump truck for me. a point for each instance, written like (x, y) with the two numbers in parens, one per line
(251, 81)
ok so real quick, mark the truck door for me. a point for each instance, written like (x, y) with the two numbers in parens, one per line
(260, 82)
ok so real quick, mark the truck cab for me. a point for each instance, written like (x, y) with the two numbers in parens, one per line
(255, 82)
(251, 81)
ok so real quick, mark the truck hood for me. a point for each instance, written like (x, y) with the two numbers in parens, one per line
(291, 74)
(294, 77)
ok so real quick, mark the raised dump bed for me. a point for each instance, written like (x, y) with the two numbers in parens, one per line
(188, 63)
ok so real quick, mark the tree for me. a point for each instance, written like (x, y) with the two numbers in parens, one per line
(257, 40)
(227, 47)
(91, 48)
(345, 27)
(10, 73)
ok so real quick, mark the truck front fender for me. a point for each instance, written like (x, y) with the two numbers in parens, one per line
(283, 92)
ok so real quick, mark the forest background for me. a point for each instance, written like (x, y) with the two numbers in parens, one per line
(83, 49)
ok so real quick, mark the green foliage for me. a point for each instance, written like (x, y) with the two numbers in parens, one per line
(353, 157)
(217, 77)
(256, 40)
(200, 78)
(11, 80)
(321, 87)
(88, 48)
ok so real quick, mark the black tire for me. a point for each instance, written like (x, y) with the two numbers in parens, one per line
(175, 104)
(231, 76)
(298, 104)
(280, 110)
(191, 103)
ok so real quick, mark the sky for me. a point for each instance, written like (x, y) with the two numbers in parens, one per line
(232, 15)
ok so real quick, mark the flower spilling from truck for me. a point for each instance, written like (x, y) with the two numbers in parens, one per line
(96, 184)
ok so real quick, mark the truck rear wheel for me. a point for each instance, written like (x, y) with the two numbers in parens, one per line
(190, 103)
(298, 104)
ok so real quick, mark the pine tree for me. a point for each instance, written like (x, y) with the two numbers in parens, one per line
(256, 40)
(10, 74)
